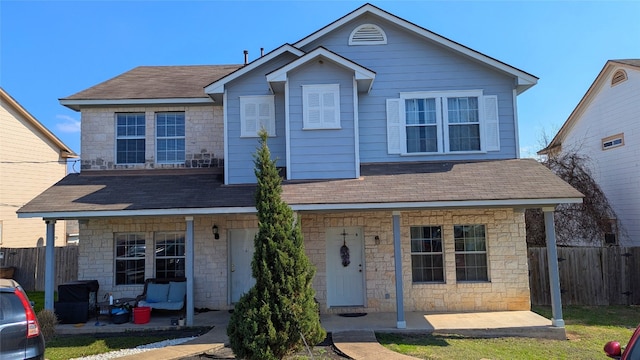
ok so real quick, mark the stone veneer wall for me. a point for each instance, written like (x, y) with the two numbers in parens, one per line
(204, 137)
(508, 288)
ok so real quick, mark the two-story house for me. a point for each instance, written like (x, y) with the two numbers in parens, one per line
(393, 141)
(604, 128)
(32, 159)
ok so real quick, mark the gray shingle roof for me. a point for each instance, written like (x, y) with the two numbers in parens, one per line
(631, 62)
(521, 179)
(157, 82)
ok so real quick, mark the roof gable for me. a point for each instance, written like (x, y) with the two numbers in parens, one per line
(65, 151)
(363, 76)
(524, 79)
(601, 80)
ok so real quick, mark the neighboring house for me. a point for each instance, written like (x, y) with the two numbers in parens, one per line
(32, 159)
(605, 128)
(394, 141)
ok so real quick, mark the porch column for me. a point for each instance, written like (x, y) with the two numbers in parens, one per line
(49, 264)
(397, 256)
(189, 269)
(552, 259)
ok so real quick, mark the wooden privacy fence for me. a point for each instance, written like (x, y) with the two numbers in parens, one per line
(30, 265)
(588, 276)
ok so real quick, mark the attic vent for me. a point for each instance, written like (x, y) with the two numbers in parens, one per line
(368, 34)
(618, 77)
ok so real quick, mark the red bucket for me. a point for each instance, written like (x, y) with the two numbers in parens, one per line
(141, 315)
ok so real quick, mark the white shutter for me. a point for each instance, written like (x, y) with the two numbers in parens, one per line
(257, 112)
(249, 119)
(491, 123)
(394, 127)
(321, 106)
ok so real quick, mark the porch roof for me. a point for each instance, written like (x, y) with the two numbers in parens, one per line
(507, 183)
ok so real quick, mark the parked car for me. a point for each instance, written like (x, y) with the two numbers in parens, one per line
(631, 351)
(20, 335)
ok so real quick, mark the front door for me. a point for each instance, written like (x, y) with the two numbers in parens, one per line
(345, 267)
(240, 256)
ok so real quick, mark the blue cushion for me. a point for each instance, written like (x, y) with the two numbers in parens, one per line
(177, 290)
(157, 292)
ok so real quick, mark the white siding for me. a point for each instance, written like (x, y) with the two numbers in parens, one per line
(612, 111)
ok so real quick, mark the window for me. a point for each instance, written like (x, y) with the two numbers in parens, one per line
(170, 259)
(368, 34)
(256, 113)
(618, 77)
(613, 141)
(130, 144)
(611, 232)
(427, 263)
(449, 122)
(321, 106)
(471, 252)
(130, 251)
(170, 137)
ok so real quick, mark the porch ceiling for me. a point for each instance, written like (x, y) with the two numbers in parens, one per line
(520, 182)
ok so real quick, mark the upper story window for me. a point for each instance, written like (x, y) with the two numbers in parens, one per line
(321, 106)
(170, 140)
(448, 122)
(613, 141)
(256, 113)
(130, 141)
(368, 34)
(618, 77)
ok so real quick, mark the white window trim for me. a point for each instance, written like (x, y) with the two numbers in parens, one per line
(125, 137)
(432, 253)
(442, 123)
(324, 125)
(245, 131)
(170, 137)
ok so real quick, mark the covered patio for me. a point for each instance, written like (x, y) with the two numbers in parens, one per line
(482, 324)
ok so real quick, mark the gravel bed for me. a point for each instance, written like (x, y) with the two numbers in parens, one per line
(136, 350)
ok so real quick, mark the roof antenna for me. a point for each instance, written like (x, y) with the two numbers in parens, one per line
(246, 57)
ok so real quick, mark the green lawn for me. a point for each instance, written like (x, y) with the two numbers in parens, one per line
(588, 329)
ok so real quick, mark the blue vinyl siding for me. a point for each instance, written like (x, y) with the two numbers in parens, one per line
(322, 154)
(411, 63)
(239, 161)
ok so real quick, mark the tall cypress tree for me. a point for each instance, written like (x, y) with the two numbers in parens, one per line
(279, 312)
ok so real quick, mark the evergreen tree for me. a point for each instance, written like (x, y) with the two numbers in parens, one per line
(279, 313)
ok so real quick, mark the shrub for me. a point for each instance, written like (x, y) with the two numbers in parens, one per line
(279, 314)
(48, 321)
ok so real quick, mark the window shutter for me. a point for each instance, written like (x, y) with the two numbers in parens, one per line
(329, 116)
(250, 119)
(321, 104)
(257, 112)
(491, 122)
(394, 127)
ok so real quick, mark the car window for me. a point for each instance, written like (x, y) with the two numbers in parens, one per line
(11, 309)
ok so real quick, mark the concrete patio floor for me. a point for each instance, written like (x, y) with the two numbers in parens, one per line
(503, 323)
(354, 336)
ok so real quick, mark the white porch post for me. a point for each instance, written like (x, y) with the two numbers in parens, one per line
(189, 269)
(49, 264)
(554, 276)
(397, 256)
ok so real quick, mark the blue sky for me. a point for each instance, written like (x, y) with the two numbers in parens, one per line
(52, 49)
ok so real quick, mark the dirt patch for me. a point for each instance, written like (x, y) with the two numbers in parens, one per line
(322, 351)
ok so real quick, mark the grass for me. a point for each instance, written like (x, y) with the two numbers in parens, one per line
(67, 347)
(37, 298)
(588, 329)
